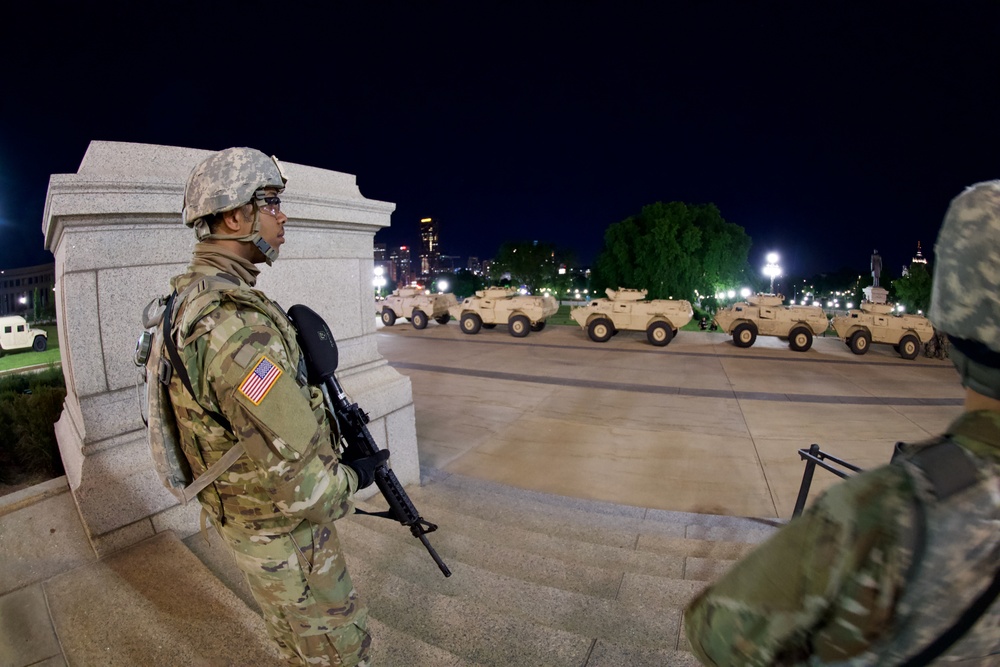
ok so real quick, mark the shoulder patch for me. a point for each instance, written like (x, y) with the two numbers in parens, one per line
(260, 380)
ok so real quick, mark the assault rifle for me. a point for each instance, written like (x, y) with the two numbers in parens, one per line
(320, 352)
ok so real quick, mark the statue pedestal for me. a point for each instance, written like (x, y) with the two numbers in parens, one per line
(876, 294)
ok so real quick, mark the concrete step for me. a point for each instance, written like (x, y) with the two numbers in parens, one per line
(563, 562)
(578, 518)
(622, 614)
(537, 579)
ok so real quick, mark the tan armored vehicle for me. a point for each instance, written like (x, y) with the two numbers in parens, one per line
(414, 303)
(15, 334)
(763, 314)
(499, 305)
(875, 323)
(625, 309)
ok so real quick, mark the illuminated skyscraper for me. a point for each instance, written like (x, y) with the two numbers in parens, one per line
(430, 251)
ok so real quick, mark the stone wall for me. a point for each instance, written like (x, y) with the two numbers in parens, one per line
(115, 230)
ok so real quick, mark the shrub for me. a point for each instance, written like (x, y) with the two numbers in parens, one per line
(30, 404)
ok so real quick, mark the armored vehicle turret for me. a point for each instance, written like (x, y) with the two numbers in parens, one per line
(764, 315)
(414, 303)
(626, 309)
(500, 305)
(875, 323)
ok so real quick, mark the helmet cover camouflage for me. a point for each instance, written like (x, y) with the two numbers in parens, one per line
(965, 297)
(227, 180)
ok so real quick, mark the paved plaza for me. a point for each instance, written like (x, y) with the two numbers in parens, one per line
(697, 426)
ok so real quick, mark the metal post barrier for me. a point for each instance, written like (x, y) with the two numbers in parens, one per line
(813, 457)
(807, 478)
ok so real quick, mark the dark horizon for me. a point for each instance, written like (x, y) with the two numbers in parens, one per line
(825, 130)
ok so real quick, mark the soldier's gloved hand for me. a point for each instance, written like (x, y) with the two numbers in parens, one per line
(365, 467)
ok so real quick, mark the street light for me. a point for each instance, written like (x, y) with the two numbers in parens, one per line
(772, 269)
(379, 280)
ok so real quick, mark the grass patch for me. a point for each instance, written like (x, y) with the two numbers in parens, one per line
(562, 316)
(28, 357)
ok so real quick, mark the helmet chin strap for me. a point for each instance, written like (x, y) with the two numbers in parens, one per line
(270, 253)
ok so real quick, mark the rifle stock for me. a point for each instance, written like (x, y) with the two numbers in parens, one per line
(320, 352)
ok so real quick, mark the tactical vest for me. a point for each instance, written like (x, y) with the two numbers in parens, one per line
(956, 557)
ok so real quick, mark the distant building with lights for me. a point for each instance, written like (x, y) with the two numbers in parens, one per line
(19, 288)
(400, 270)
(473, 265)
(917, 259)
(430, 245)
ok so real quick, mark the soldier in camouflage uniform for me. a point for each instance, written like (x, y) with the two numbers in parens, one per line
(276, 505)
(884, 564)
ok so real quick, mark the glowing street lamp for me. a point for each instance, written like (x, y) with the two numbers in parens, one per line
(379, 280)
(772, 269)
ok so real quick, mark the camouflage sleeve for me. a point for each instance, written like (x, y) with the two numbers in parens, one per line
(823, 586)
(282, 425)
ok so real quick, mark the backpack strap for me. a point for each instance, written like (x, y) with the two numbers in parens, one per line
(213, 472)
(175, 359)
(949, 471)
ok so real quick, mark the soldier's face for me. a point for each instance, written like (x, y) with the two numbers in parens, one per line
(272, 222)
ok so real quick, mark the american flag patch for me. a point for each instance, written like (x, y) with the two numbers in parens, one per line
(261, 379)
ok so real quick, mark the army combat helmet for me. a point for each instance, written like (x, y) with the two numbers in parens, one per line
(965, 297)
(226, 180)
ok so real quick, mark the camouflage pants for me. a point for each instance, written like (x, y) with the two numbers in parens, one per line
(301, 582)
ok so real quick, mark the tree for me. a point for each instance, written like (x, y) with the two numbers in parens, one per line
(463, 283)
(914, 289)
(673, 250)
(531, 264)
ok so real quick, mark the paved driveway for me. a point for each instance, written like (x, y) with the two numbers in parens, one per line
(698, 426)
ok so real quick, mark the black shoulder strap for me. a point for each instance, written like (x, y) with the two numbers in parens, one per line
(175, 360)
(961, 626)
(950, 471)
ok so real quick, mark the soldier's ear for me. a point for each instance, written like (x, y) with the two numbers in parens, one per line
(231, 221)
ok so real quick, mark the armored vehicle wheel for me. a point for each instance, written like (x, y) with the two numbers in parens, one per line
(600, 330)
(388, 317)
(860, 341)
(745, 334)
(909, 346)
(538, 326)
(489, 325)
(519, 326)
(443, 319)
(800, 339)
(39, 344)
(659, 334)
(470, 323)
(419, 319)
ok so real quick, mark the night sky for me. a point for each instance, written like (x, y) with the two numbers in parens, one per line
(825, 129)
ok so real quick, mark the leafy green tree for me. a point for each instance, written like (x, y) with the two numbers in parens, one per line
(673, 250)
(462, 283)
(914, 289)
(529, 263)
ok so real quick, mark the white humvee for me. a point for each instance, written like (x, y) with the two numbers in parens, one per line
(15, 334)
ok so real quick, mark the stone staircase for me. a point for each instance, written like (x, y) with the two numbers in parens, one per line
(537, 579)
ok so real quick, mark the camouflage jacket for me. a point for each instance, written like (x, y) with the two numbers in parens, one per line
(835, 586)
(243, 361)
